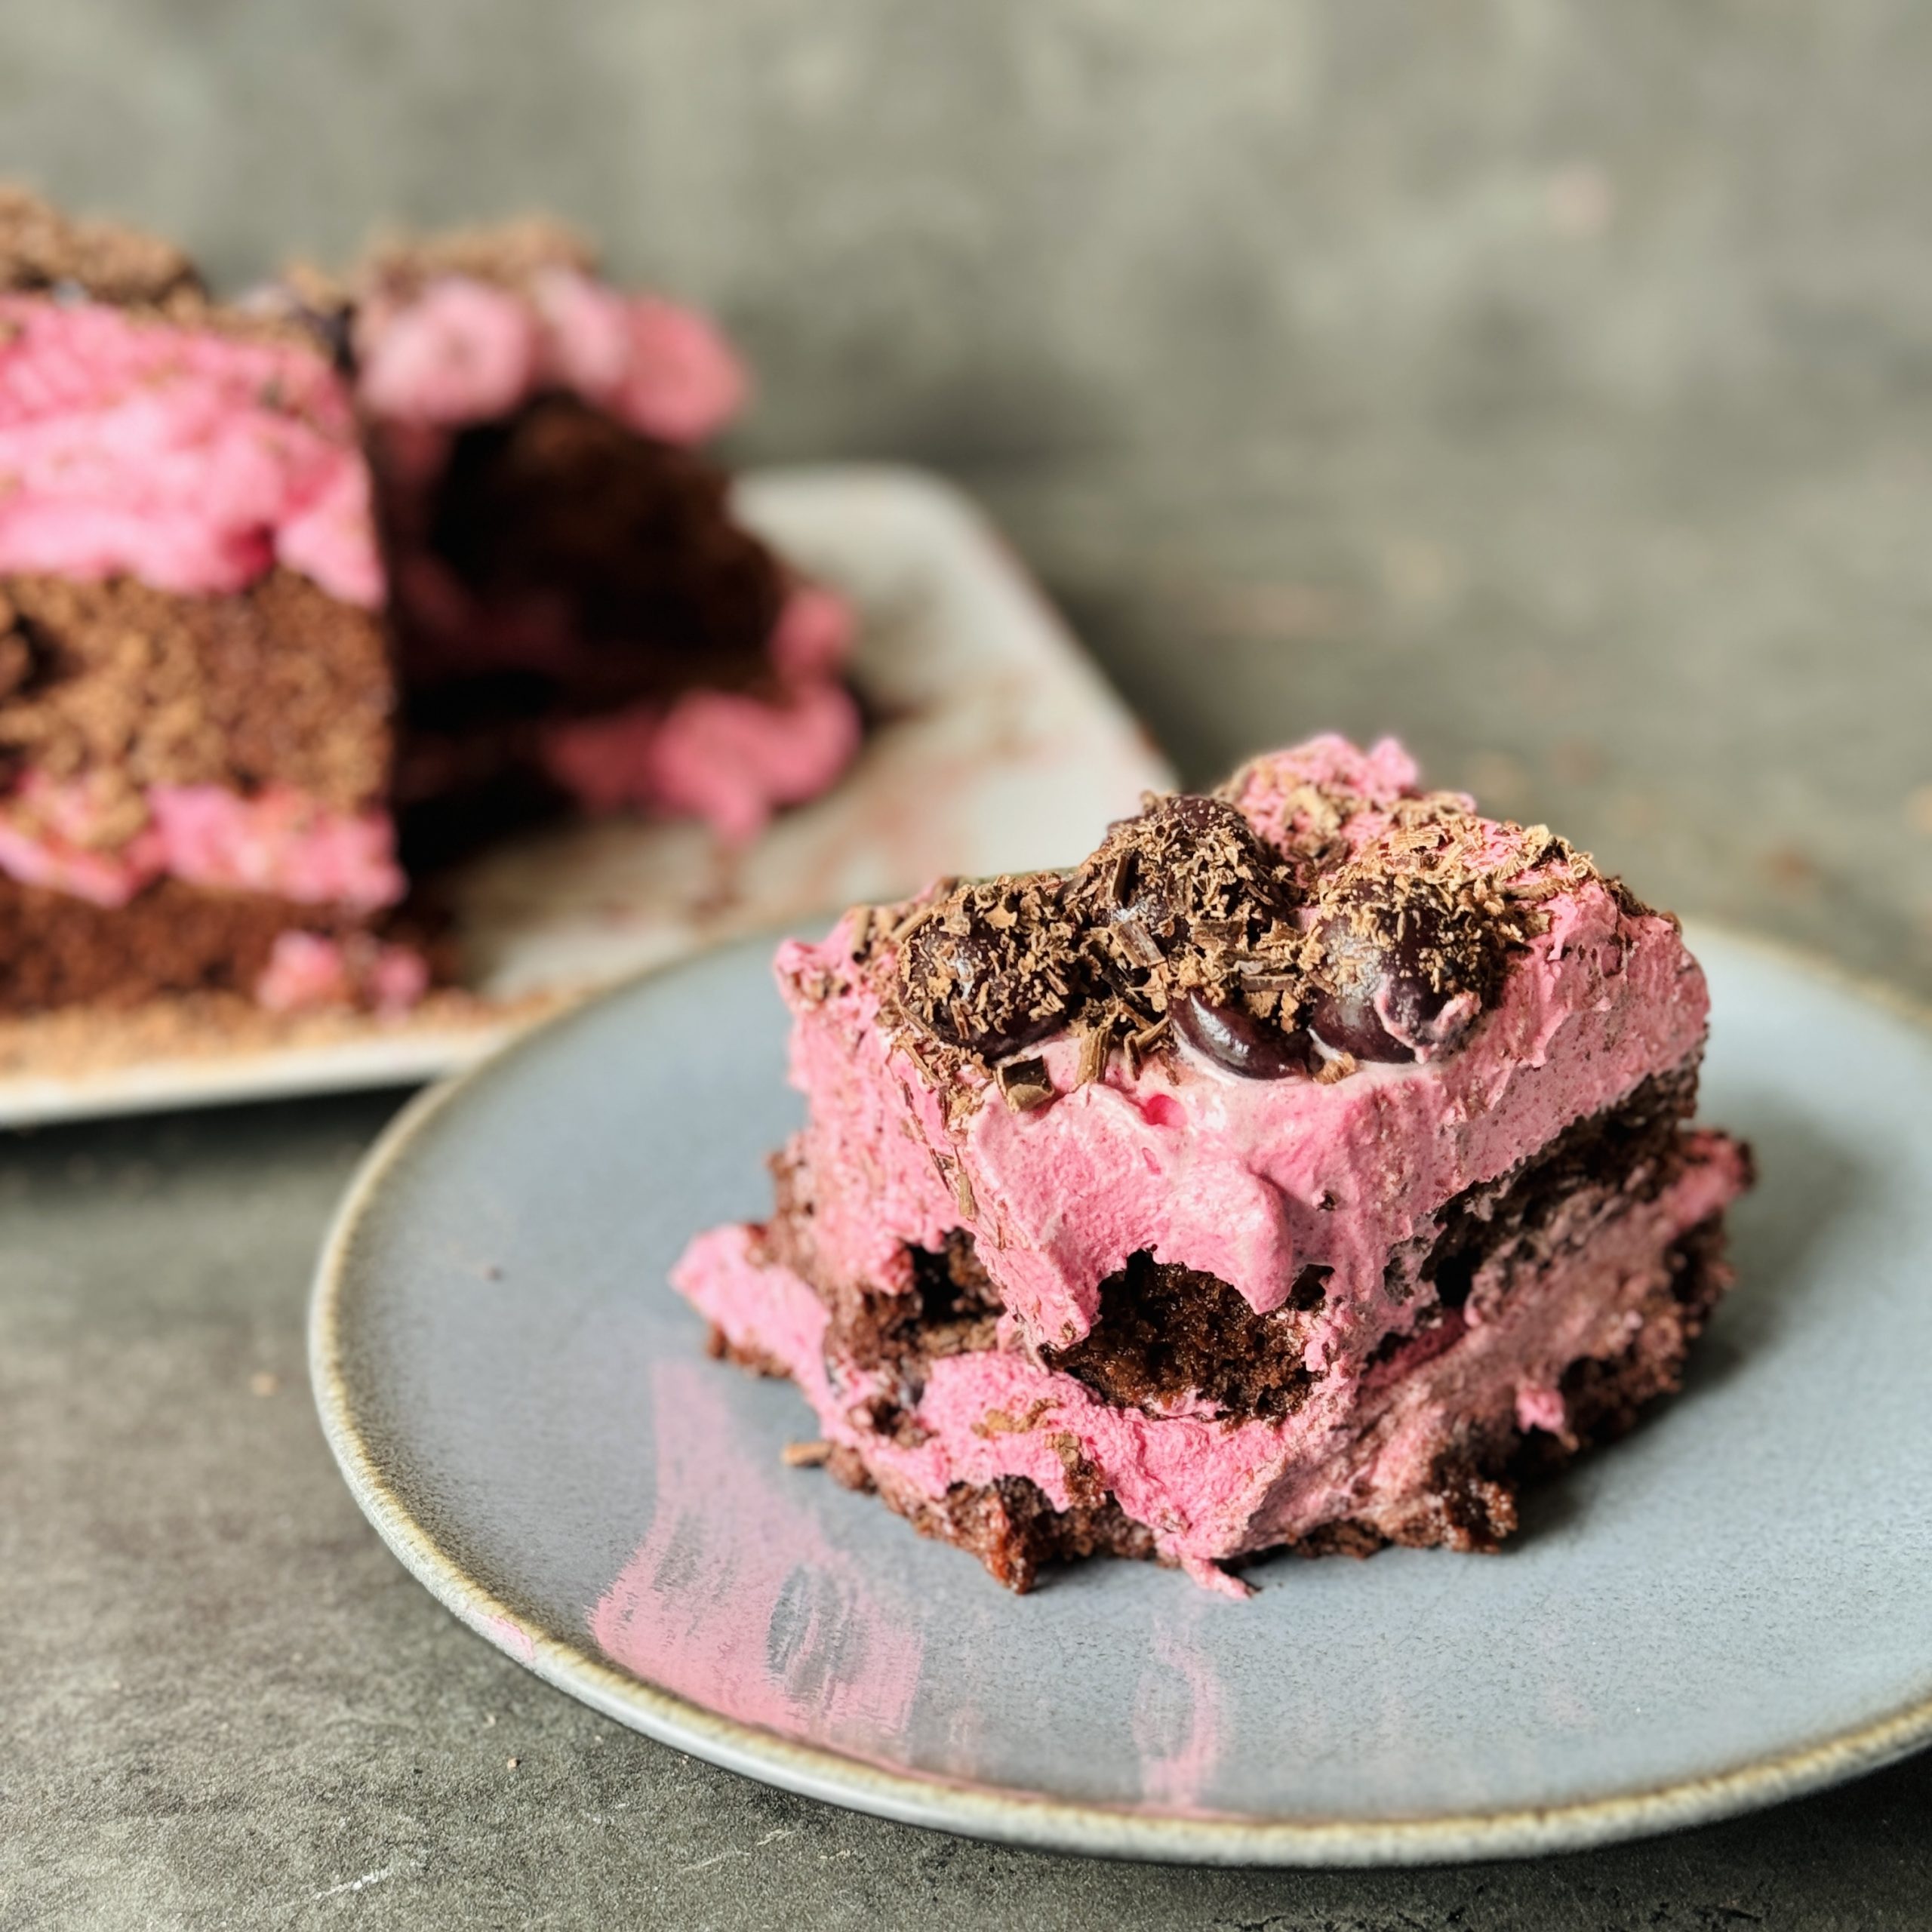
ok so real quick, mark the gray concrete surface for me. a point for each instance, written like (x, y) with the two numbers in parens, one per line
(1549, 382)
(225, 1704)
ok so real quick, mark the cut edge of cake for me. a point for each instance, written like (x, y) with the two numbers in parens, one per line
(1300, 1172)
(195, 739)
(219, 780)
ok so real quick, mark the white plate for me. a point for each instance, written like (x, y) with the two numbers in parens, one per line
(1001, 749)
(1732, 1605)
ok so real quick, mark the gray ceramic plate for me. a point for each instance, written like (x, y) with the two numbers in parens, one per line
(1734, 1605)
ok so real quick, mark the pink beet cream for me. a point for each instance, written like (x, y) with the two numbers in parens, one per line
(1249, 1180)
(464, 351)
(1253, 1181)
(192, 460)
(727, 757)
(277, 842)
(308, 971)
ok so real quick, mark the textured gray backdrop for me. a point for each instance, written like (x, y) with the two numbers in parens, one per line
(1548, 381)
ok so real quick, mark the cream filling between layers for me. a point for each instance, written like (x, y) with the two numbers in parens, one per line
(1211, 1489)
(1251, 1181)
(277, 841)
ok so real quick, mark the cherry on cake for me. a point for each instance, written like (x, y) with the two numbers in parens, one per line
(1302, 1170)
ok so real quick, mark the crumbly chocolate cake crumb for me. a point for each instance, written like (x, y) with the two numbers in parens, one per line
(620, 551)
(58, 950)
(1167, 1336)
(1009, 1524)
(126, 686)
(43, 250)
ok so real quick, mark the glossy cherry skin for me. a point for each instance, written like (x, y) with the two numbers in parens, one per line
(1232, 1038)
(1374, 998)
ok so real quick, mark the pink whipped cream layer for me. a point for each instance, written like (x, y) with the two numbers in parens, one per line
(465, 351)
(308, 971)
(728, 758)
(277, 841)
(1251, 1181)
(189, 459)
(1209, 1489)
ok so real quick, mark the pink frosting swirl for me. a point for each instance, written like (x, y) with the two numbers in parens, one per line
(189, 459)
(465, 351)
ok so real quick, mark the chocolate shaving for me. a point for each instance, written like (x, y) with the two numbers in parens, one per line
(1025, 1085)
(1095, 1048)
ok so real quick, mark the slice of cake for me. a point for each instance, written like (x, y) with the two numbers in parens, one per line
(1301, 1169)
(195, 690)
(579, 615)
(300, 598)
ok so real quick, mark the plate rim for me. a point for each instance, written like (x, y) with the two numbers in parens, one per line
(1036, 1820)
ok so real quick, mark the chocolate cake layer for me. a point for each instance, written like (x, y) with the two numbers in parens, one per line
(57, 950)
(1474, 1508)
(1010, 1525)
(1167, 1336)
(610, 561)
(280, 684)
(1635, 1146)
(1016, 1532)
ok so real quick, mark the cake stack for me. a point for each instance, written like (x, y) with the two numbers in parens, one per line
(1299, 1170)
(302, 598)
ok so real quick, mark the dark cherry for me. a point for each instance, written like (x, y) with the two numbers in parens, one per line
(1374, 997)
(1350, 1025)
(1170, 829)
(965, 962)
(1232, 1038)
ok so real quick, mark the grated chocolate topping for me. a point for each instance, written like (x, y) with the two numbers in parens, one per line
(511, 254)
(1186, 927)
(43, 250)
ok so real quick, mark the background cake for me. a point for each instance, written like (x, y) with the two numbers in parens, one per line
(196, 698)
(1300, 1170)
(300, 599)
(578, 614)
